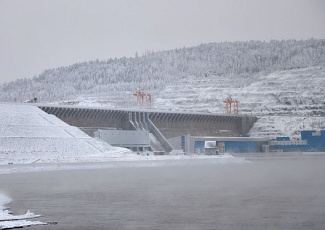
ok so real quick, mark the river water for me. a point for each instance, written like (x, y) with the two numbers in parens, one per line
(267, 193)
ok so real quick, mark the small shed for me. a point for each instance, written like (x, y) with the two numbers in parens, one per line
(211, 148)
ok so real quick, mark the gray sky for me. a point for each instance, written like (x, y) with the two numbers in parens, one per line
(40, 34)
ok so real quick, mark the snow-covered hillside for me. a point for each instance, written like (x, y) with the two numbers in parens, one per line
(280, 81)
(28, 135)
(114, 80)
(291, 92)
(285, 101)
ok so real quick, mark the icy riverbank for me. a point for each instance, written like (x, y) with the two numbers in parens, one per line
(121, 161)
(9, 221)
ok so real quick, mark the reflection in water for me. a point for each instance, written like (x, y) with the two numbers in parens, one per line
(265, 194)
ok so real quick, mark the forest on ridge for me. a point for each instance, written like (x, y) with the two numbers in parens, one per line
(153, 71)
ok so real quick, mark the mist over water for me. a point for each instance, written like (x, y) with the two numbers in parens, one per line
(265, 194)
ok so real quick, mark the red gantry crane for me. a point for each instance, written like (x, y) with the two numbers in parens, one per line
(229, 102)
(145, 99)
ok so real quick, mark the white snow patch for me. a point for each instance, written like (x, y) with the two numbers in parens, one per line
(7, 220)
(29, 135)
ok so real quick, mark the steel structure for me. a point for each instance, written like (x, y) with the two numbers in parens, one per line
(145, 99)
(229, 102)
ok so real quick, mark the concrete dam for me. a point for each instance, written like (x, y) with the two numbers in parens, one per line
(162, 125)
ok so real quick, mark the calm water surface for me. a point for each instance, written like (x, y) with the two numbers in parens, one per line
(284, 193)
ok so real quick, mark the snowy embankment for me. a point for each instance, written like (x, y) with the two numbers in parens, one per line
(9, 221)
(29, 135)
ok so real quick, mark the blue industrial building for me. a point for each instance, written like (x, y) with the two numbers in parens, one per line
(234, 144)
(315, 140)
(195, 144)
(311, 141)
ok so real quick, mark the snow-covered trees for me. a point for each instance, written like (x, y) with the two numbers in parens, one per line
(153, 71)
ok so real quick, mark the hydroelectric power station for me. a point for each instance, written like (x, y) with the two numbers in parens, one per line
(165, 129)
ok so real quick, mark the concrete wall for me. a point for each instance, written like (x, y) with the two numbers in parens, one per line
(128, 138)
(196, 128)
(175, 142)
(177, 124)
(170, 124)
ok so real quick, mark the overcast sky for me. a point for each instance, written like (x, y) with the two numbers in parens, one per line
(40, 34)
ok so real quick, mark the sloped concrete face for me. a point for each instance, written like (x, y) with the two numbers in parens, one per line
(170, 124)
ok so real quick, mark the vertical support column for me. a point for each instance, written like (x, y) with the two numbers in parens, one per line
(236, 110)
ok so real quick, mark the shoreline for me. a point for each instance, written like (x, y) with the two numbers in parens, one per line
(123, 162)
